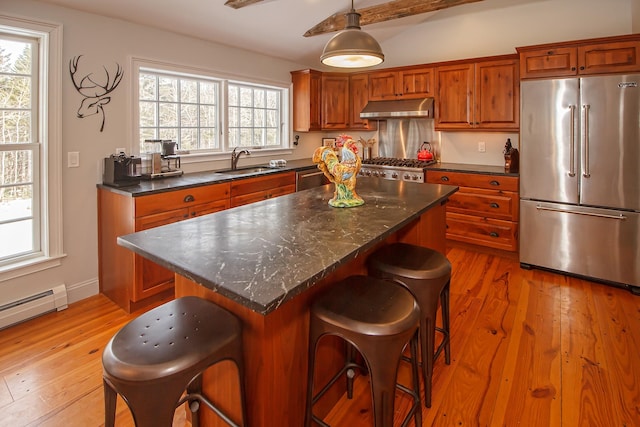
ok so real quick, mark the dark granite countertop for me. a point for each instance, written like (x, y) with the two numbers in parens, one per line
(466, 168)
(196, 179)
(263, 254)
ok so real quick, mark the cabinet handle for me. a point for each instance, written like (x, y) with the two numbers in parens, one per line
(550, 52)
(494, 205)
(582, 67)
(494, 234)
(189, 198)
(573, 68)
(193, 214)
(495, 183)
(185, 216)
(444, 178)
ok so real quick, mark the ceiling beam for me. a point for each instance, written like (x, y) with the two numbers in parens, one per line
(384, 12)
(237, 4)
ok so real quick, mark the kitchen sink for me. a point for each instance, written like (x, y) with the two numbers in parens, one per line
(247, 171)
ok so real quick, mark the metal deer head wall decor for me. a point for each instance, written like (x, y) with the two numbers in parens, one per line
(95, 87)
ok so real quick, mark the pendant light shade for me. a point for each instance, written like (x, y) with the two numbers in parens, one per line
(352, 47)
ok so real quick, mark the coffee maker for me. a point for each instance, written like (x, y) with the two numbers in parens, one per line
(121, 171)
(160, 159)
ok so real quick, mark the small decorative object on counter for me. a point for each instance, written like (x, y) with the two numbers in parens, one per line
(511, 158)
(367, 147)
(342, 173)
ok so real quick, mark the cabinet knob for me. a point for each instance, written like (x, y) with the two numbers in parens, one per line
(573, 68)
(193, 214)
(494, 234)
(495, 183)
(189, 198)
(550, 52)
(444, 178)
(582, 67)
(494, 205)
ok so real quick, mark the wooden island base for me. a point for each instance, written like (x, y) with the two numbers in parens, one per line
(276, 344)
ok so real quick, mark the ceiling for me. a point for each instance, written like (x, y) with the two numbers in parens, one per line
(272, 27)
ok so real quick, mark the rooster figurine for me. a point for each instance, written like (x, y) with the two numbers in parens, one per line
(342, 173)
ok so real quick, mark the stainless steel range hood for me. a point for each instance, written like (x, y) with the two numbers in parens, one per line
(422, 107)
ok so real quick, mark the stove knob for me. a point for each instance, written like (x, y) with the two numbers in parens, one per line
(368, 173)
(383, 174)
(407, 177)
(394, 175)
(414, 177)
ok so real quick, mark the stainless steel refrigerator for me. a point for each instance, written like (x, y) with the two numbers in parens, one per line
(580, 177)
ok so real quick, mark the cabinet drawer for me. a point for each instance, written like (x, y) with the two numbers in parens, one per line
(476, 230)
(491, 182)
(156, 203)
(262, 195)
(268, 182)
(490, 203)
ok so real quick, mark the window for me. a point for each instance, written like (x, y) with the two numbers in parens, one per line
(19, 149)
(30, 197)
(208, 114)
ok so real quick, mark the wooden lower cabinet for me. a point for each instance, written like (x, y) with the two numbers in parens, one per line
(131, 280)
(484, 211)
(252, 190)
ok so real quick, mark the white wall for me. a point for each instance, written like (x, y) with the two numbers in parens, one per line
(635, 16)
(447, 37)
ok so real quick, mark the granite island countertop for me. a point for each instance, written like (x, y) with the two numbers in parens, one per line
(263, 254)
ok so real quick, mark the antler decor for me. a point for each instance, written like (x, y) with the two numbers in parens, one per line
(385, 12)
(94, 88)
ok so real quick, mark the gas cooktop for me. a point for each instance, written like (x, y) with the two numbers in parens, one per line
(392, 161)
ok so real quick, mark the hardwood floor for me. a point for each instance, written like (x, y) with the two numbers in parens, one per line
(529, 348)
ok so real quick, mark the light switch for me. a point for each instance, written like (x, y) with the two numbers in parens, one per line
(73, 159)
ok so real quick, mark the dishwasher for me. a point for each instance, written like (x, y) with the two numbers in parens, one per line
(310, 178)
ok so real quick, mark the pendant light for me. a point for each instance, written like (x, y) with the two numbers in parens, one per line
(352, 47)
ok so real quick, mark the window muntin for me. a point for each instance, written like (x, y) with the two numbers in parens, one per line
(207, 114)
(20, 218)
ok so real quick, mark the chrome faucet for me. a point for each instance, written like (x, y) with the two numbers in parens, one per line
(235, 156)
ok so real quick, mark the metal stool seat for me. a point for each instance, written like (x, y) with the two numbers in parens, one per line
(153, 359)
(426, 273)
(378, 320)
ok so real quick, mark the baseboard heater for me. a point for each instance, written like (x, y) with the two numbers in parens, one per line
(54, 299)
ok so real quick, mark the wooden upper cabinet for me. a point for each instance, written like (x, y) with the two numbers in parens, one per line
(335, 101)
(482, 95)
(455, 96)
(608, 56)
(604, 58)
(329, 101)
(401, 84)
(359, 96)
(497, 100)
(307, 89)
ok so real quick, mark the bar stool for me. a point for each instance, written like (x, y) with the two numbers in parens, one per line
(378, 320)
(426, 273)
(153, 359)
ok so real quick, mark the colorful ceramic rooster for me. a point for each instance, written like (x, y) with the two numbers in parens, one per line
(342, 173)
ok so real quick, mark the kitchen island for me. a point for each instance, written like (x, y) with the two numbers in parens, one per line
(267, 261)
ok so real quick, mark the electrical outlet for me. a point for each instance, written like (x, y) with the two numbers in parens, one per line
(120, 150)
(482, 147)
(73, 159)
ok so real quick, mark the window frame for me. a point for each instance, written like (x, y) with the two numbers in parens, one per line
(48, 177)
(138, 64)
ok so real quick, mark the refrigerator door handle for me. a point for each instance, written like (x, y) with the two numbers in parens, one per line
(619, 217)
(572, 146)
(586, 173)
